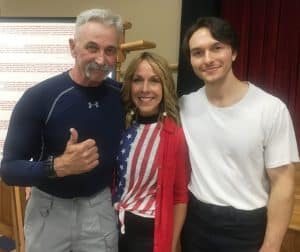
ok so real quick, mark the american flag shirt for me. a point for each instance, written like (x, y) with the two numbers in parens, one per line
(137, 172)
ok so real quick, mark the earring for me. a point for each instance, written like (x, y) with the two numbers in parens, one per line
(164, 114)
(131, 116)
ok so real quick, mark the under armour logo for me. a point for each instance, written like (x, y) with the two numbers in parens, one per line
(95, 104)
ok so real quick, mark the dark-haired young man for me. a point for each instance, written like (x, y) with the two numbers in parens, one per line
(241, 144)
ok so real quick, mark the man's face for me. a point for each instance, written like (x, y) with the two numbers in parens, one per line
(95, 52)
(211, 59)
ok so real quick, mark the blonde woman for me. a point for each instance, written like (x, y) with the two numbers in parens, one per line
(151, 190)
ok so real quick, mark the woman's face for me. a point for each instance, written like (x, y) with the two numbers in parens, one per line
(146, 90)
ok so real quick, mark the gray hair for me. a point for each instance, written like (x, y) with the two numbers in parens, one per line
(102, 16)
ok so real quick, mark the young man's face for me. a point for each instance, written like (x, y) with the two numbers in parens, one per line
(211, 59)
(95, 51)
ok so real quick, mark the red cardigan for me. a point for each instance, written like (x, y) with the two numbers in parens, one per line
(173, 176)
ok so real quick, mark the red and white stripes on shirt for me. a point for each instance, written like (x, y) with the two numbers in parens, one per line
(141, 173)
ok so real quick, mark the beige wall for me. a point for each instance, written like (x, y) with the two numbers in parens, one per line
(153, 20)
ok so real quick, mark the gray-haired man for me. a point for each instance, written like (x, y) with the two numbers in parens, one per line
(64, 126)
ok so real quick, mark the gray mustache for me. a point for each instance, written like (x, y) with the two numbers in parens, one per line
(103, 67)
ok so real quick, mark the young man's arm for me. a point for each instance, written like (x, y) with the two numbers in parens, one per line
(179, 217)
(180, 191)
(280, 206)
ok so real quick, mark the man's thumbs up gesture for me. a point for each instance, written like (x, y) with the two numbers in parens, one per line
(78, 157)
(73, 137)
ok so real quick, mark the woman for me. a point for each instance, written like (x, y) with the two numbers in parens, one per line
(151, 191)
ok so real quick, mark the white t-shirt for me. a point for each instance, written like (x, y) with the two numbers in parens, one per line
(230, 147)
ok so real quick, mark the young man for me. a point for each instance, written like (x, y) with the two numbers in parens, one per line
(58, 132)
(241, 144)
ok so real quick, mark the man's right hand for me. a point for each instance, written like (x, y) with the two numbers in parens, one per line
(78, 157)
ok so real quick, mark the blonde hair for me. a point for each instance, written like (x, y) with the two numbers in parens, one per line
(160, 67)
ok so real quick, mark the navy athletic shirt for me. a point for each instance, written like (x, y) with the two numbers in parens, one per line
(39, 127)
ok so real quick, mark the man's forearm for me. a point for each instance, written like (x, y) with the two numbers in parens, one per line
(280, 209)
(179, 217)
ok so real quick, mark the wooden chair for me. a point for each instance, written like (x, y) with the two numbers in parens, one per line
(12, 199)
(127, 47)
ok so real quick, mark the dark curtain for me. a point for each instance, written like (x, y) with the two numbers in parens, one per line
(269, 54)
(187, 81)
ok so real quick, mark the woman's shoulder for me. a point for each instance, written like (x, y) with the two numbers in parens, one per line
(170, 125)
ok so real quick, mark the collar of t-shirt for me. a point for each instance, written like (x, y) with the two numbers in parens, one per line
(147, 119)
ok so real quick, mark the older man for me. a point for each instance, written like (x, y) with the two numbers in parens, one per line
(59, 130)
